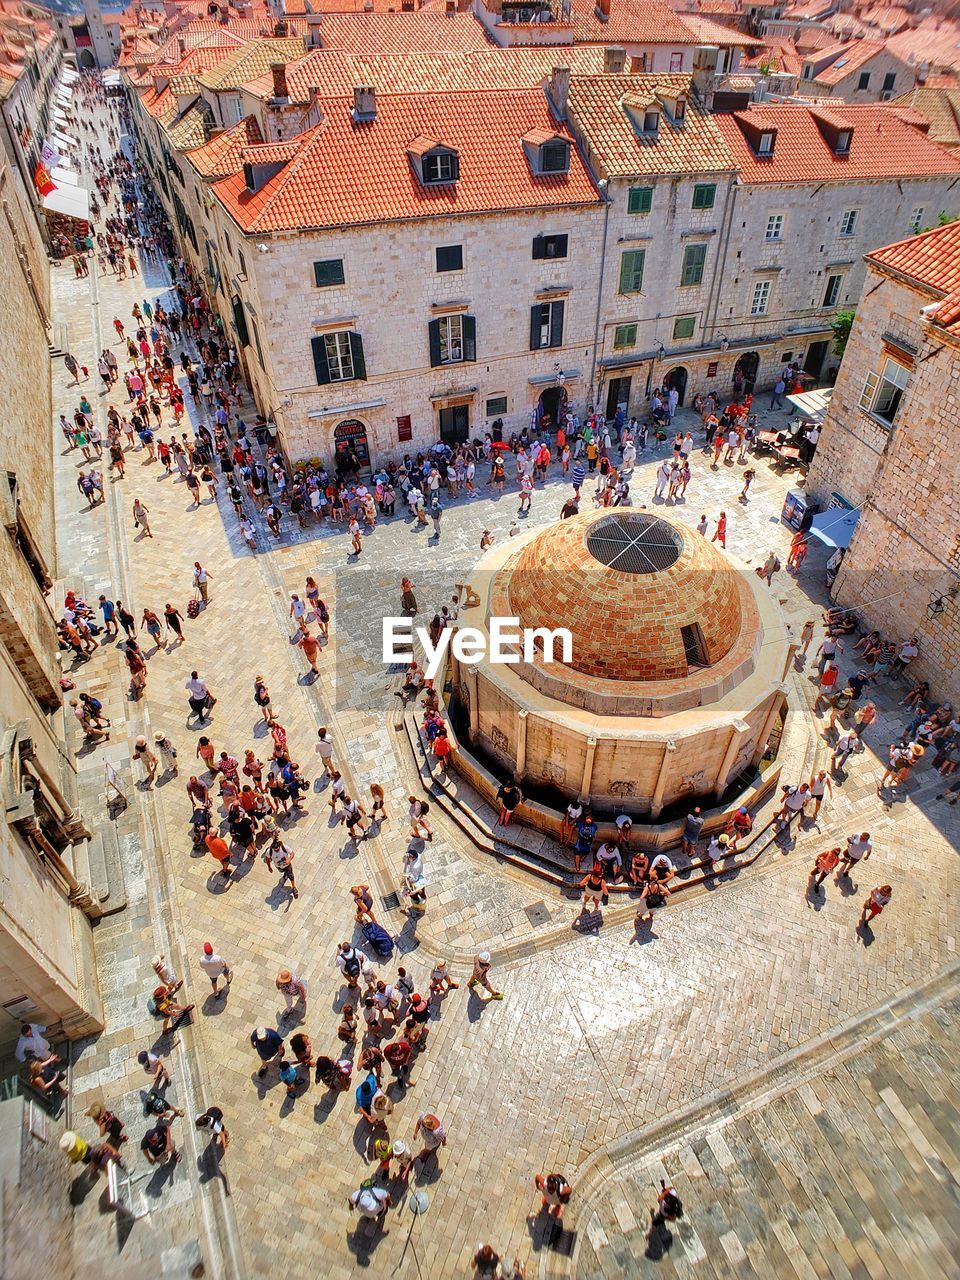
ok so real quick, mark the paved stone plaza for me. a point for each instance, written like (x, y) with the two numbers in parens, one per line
(793, 1080)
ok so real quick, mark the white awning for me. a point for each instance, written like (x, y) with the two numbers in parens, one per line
(64, 177)
(59, 117)
(64, 140)
(111, 80)
(73, 201)
(68, 75)
(812, 404)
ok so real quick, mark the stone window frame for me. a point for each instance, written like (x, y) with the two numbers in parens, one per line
(848, 222)
(700, 197)
(779, 219)
(622, 339)
(760, 302)
(875, 387)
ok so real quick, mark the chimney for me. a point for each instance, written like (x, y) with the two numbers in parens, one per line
(181, 46)
(279, 72)
(364, 102)
(281, 28)
(560, 90)
(315, 111)
(614, 60)
(603, 10)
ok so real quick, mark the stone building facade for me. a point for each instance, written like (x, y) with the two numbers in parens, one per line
(889, 447)
(46, 948)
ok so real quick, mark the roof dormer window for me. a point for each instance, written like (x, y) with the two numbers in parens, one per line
(842, 145)
(765, 145)
(555, 156)
(651, 122)
(441, 166)
(679, 110)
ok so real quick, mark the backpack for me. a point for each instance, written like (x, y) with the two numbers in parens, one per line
(95, 704)
(351, 967)
(776, 564)
(379, 940)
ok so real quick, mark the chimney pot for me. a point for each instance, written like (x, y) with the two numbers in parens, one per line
(364, 102)
(560, 89)
(279, 72)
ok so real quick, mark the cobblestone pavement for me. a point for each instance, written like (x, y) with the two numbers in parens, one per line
(597, 1036)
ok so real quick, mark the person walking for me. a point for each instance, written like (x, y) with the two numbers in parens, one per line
(720, 534)
(555, 1192)
(824, 864)
(434, 1136)
(211, 1121)
(873, 904)
(325, 749)
(141, 518)
(858, 850)
(293, 989)
(820, 786)
(215, 967)
(481, 976)
(201, 580)
(280, 856)
(174, 620)
(199, 696)
(268, 1043)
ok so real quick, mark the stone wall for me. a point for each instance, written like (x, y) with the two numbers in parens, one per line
(35, 1215)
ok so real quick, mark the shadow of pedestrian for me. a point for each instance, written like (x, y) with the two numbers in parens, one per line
(365, 1238)
(866, 935)
(209, 1165)
(659, 1242)
(846, 886)
(82, 1185)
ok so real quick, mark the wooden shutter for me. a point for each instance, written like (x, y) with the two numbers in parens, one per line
(468, 327)
(356, 351)
(535, 327)
(434, 330)
(240, 320)
(559, 246)
(320, 360)
(556, 324)
(538, 247)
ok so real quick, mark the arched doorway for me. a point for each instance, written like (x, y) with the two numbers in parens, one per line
(745, 372)
(676, 380)
(85, 59)
(351, 454)
(552, 408)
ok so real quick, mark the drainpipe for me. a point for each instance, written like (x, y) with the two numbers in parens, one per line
(603, 260)
(732, 189)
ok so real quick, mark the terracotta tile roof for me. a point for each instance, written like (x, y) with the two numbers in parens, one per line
(221, 155)
(931, 260)
(935, 42)
(809, 40)
(778, 55)
(707, 32)
(597, 103)
(139, 50)
(883, 145)
(251, 60)
(888, 18)
(809, 10)
(338, 70)
(189, 129)
(403, 32)
(631, 22)
(346, 173)
(159, 105)
(847, 58)
(940, 107)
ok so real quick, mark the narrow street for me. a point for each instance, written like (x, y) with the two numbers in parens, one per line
(596, 1038)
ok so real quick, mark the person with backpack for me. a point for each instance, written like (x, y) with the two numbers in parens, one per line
(669, 1206)
(350, 962)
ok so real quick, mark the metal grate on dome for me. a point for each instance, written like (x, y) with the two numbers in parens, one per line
(634, 543)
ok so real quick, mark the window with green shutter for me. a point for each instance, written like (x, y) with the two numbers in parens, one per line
(694, 256)
(631, 270)
(684, 326)
(704, 195)
(624, 335)
(639, 199)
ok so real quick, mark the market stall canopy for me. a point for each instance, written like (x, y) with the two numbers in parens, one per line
(73, 201)
(64, 140)
(812, 404)
(835, 527)
(64, 177)
(111, 80)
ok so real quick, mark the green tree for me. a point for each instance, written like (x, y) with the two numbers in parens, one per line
(841, 325)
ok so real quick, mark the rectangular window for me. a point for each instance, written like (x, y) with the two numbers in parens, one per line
(864, 82)
(496, 405)
(554, 157)
(676, 61)
(684, 326)
(624, 335)
(761, 296)
(255, 332)
(243, 262)
(639, 199)
(832, 291)
(444, 167)
(339, 357)
(889, 80)
(328, 273)
(550, 246)
(848, 223)
(704, 195)
(694, 257)
(450, 257)
(882, 392)
(916, 218)
(631, 270)
(451, 339)
(775, 226)
(546, 325)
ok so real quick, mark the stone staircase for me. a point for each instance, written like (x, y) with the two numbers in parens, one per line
(537, 853)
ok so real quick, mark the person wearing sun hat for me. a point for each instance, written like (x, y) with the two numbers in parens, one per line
(433, 1136)
(481, 975)
(111, 1127)
(293, 988)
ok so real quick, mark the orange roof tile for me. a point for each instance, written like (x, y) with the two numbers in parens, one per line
(707, 32)
(847, 58)
(940, 107)
(598, 104)
(250, 60)
(359, 173)
(934, 42)
(339, 70)
(221, 154)
(883, 145)
(424, 32)
(776, 55)
(630, 22)
(931, 260)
